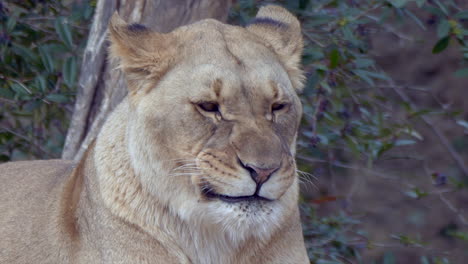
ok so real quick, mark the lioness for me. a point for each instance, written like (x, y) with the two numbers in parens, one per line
(196, 165)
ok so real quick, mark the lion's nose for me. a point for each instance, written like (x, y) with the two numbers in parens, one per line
(259, 175)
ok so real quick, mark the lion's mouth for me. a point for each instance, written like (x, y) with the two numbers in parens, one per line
(210, 194)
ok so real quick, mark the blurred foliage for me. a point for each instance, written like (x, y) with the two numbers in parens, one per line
(349, 121)
(41, 44)
(348, 118)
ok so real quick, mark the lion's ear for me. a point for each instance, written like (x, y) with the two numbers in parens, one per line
(282, 32)
(143, 54)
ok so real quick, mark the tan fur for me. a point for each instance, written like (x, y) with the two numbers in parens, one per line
(141, 194)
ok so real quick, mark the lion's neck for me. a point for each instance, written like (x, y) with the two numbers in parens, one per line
(123, 193)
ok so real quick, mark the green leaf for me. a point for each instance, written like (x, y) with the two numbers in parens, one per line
(352, 144)
(32, 105)
(385, 147)
(420, 113)
(364, 63)
(420, 3)
(63, 30)
(367, 76)
(363, 75)
(463, 123)
(442, 7)
(461, 73)
(377, 75)
(11, 23)
(20, 88)
(303, 4)
(321, 67)
(334, 58)
(398, 3)
(41, 83)
(424, 260)
(407, 240)
(443, 29)
(404, 142)
(58, 98)
(415, 19)
(462, 14)
(459, 234)
(46, 58)
(413, 132)
(4, 158)
(416, 194)
(6, 93)
(325, 86)
(88, 12)
(434, 11)
(441, 45)
(389, 258)
(21, 113)
(349, 35)
(25, 53)
(69, 71)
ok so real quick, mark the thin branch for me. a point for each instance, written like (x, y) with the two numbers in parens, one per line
(345, 166)
(453, 209)
(391, 29)
(40, 148)
(442, 198)
(8, 101)
(309, 37)
(442, 138)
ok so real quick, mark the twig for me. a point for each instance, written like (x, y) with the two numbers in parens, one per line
(345, 166)
(391, 29)
(313, 124)
(442, 198)
(453, 209)
(443, 140)
(8, 101)
(40, 148)
(335, 25)
(309, 37)
(366, 12)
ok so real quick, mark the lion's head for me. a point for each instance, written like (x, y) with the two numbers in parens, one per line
(213, 118)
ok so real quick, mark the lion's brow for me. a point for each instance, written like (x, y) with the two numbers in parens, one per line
(217, 85)
(274, 87)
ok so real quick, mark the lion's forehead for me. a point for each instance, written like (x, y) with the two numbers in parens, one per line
(246, 73)
(254, 84)
(233, 53)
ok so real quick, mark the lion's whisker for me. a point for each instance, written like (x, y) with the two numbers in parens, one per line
(306, 179)
(303, 173)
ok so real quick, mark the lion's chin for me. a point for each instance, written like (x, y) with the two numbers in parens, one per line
(245, 218)
(238, 218)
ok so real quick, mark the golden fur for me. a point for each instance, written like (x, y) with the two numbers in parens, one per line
(211, 119)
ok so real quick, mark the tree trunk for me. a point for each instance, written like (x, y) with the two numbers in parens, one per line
(100, 86)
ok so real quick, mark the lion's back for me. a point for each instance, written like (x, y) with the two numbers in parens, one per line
(26, 191)
(29, 180)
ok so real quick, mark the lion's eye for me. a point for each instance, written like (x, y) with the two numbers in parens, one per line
(209, 107)
(278, 106)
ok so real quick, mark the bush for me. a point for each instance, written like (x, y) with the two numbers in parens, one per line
(41, 44)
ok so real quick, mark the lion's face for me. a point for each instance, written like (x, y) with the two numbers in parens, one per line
(213, 135)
